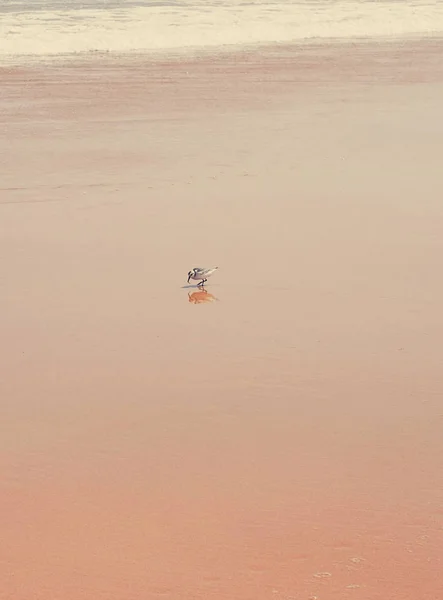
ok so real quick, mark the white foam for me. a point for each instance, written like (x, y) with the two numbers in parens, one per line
(199, 24)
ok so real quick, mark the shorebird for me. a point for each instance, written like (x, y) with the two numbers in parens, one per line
(197, 273)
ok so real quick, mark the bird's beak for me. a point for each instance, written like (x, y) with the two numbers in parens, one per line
(189, 277)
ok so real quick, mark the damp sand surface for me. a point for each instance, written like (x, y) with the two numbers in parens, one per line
(277, 436)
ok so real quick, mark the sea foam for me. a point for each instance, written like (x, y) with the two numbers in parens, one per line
(46, 29)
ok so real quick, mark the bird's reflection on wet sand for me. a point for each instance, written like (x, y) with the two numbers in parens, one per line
(201, 296)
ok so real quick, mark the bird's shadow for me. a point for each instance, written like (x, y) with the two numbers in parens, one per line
(187, 287)
(201, 296)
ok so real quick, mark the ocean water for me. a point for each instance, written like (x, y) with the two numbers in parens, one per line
(33, 29)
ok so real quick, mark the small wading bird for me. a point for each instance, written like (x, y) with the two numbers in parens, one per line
(201, 274)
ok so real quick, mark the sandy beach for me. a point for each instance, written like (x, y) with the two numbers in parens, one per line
(278, 436)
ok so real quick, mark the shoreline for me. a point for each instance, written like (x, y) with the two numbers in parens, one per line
(216, 53)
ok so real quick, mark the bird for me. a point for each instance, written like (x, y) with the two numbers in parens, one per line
(198, 273)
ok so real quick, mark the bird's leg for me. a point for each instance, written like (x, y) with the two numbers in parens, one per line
(202, 282)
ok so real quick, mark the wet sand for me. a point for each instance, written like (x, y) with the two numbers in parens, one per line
(279, 437)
